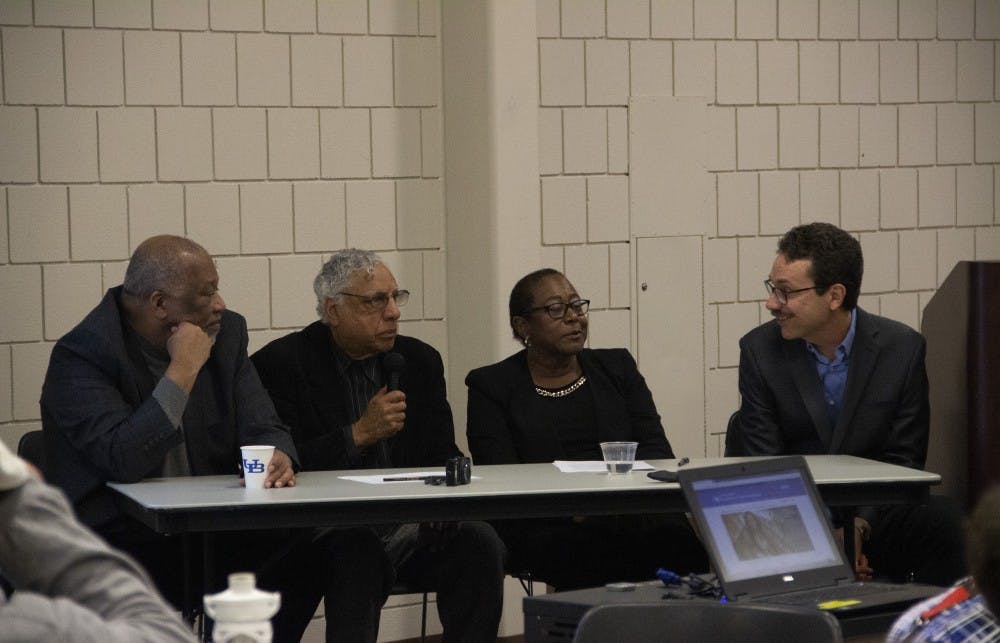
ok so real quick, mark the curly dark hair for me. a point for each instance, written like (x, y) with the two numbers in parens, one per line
(835, 255)
(521, 295)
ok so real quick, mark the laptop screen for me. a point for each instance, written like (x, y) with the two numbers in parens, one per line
(766, 524)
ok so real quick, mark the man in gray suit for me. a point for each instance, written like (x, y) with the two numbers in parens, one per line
(824, 376)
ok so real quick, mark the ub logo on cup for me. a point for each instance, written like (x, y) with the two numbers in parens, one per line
(255, 459)
(253, 466)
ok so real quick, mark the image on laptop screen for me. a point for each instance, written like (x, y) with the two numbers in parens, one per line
(763, 525)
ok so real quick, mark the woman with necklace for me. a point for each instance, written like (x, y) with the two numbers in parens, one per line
(558, 400)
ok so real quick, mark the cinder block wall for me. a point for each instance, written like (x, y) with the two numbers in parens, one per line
(876, 115)
(271, 132)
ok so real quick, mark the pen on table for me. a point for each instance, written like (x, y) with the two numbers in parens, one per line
(683, 461)
(403, 478)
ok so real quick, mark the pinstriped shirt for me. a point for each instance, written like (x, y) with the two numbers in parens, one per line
(364, 379)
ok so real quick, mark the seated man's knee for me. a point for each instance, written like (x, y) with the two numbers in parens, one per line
(481, 543)
(359, 546)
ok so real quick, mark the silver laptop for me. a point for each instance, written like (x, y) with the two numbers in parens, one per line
(769, 539)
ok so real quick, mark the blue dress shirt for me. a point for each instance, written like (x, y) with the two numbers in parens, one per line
(833, 373)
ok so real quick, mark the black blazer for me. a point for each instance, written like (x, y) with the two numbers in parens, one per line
(102, 424)
(503, 427)
(886, 411)
(299, 370)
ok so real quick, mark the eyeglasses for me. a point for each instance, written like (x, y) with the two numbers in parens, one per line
(558, 309)
(781, 294)
(378, 301)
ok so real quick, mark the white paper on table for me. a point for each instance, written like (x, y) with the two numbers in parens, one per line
(388, 478)
(595, 466)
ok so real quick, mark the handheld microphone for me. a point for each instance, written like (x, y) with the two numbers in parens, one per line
(394, 365)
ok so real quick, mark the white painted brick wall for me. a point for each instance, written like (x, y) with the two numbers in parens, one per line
(266, 218)
(98, 221)
(208, 68)
(70, 292)
(154, 209)
(293, 143)
(937, 71)
(738, 203)
(877, 132)
(320, 216)
(587, 267)
(93, 67)
(28, 363)
(628, 19)
(19, 153)
(39, 224)
(859, 77)
(180, 14)
(22, 322)
(585, 140)
(607, 74)
(67, 143)
(819, 193)
(955, 137)
(239, 143)
(714, 19)
(213, 216)
(936, 195)
(859, 199)
(671, 19)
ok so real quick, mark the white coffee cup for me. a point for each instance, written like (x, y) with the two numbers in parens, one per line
(256, 457)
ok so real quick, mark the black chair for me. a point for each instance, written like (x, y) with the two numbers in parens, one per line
(734, 444)
(697, 621)
(32, 448)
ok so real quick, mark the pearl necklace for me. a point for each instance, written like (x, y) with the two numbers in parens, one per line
(563, 392)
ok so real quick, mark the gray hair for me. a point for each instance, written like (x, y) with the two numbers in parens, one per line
(337, 271)
(159, 263)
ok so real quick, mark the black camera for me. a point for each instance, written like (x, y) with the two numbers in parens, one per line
(458, 471)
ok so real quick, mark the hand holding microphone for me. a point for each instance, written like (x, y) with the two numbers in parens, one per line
(385, 413)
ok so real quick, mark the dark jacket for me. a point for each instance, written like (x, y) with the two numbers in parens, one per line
(102, 424)
(885, 414)
(503, 426)
(300, 372)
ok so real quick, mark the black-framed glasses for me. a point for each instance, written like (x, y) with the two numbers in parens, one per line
(557, 310)
(781, 294)
(380, 300)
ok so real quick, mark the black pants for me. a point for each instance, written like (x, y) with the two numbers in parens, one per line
(923, 543)
(348, 568)
(576, 553)
(467, 573)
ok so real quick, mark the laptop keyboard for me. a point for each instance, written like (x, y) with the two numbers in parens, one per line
(814, 596)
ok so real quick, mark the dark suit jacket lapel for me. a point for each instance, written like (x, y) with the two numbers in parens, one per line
(328, 393)
(864, 354)
(802, 368)
(602, 390)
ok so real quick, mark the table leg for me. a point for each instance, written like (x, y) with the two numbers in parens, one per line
(207, 577)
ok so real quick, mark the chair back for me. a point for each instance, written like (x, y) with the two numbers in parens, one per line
(697, 621)
(31, 447)
(734, 443)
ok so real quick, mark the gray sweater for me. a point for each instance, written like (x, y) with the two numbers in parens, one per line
(69, 585)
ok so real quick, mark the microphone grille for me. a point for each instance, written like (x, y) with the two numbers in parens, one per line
(394, 362)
